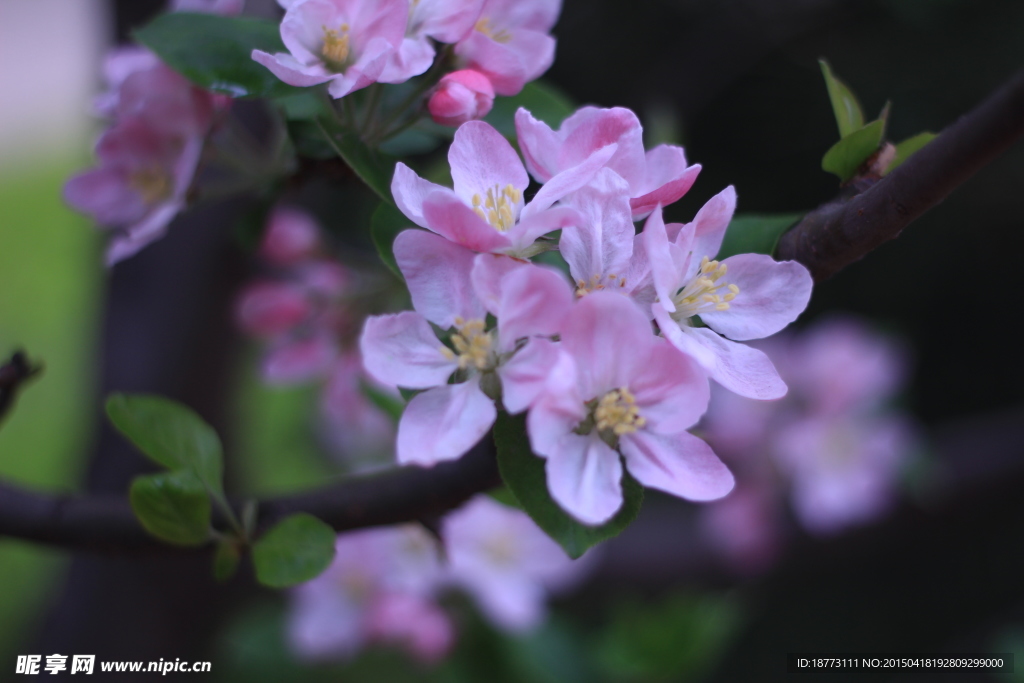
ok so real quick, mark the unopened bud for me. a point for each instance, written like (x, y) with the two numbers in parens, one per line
(461, 96)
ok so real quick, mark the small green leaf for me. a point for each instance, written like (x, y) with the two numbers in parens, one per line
(387, 222)
(524, 474)
(543, 101)
(755, 233)
(372, 166)
(171, 435)
(297, 549)
(849, 115)
(173, 506)
(906, 148)
(847, 155)
(226, 559)
(215, 52)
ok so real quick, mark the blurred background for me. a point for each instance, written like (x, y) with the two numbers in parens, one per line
(737, 83)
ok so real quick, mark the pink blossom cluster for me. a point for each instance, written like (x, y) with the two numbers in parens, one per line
(384, 584)
(832, 447)
(600, 385)
(306, 310)
(499, 45)
(149, 153)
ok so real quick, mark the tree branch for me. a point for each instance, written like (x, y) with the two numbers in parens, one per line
(843, 231)
(826, 240)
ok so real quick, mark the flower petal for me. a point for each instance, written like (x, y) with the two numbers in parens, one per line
(664, 194)
(534, 301)
(680, 464)
(772, 295)
(410, 191)
(437, 274)
(488, 272)
(585, 478)
(481, 160)
(602, 243)
(569, 180)
(671, 389)
(667, 260)
(443, 423)
(711, 222)
(449, 217)
(523, 376)
(402, 350)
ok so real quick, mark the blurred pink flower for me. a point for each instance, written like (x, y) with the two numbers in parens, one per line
(509, 566)
(226, 7)
(510, 42)
(744, 526)
(618, 388)
(356, 426)
(657, 177)
(348, 44)
(461, 96)
(269, 308)
(291, 236)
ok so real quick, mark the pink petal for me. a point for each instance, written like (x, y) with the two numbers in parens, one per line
(665, 194)
(667, 260)
(534, 301)
(737, 367)
(569, 180)
(584, 477)
(300, 361)
(772, 295)
(105, 194)
(680, 464)
(481, 160)
(671, 389)
(559, 408)
(540, 146)
(271, 308)
(443, 423)
(711, 223)
(446, 215)
(447, 21)
(410, 191)
(402, 350)
(437, 274)
(413, 57)
(369, 68)
(289, 70)
(524, 375)
(502, 65)
(602, 243)
(524, 233)
(488, 272)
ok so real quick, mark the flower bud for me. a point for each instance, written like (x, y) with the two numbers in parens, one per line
(461, 96)
(291, 236)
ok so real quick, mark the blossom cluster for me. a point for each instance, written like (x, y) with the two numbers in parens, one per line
(833, 446)
(581, 356)
(306, 308)
(151, 150)
(384, 584)
(499, 46)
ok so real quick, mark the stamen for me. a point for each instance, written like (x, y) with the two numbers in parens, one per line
(472, 344)
(616, 411)
(336, 49)
(499, 209)
(152, 183)
(701, 293)
(485, 27)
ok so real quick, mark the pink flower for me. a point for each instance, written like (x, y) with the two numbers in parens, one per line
(485, 210)
(461, 96)
(744, 526)
(747, 296)
(346, 43)
(269, 309)
(659, 176)
(140, 185)
(843, 468)
(301, 359)
(508, 565)
(379, 588)
(447, 21)
(445, 421)
(225, 7)
(510, 42)
(291, 236)
(356, 426)
(618, 389)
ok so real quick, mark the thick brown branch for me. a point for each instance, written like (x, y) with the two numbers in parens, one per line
(107, 523)
(836, 234)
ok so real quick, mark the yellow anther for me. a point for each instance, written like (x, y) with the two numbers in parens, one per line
(153, 184)
(485, 27)
(336, 47)
(477, 200)
(472, 344)
(722, 307)
(617, 411)
(499, 208)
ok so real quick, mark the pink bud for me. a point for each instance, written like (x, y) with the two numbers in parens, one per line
(461, 96)
(291, 236)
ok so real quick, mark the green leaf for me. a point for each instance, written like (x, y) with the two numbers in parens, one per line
(384, 228)
(524, 474)
(171, 435)
(297, 549)
(545, 102)
(906, 148)
(215, 52)
(372, 166)
(756, 233)
(226, 559)
(847, 155)
(849, 115)
(173, 506)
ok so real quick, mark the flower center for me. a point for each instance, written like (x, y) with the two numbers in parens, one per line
(336, 48)
(485, 27)
(701, 293)
(499, 208)
(597, 282)
(153, 184)
(616, 412)
(472, 345)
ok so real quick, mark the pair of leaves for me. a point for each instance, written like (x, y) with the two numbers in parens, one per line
(524, 474)
(175, 506)
(859, 141)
